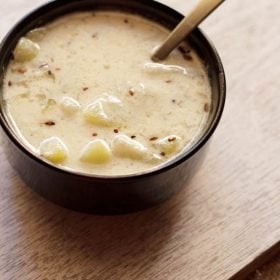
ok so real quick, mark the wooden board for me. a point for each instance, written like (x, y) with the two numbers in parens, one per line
(227, 219)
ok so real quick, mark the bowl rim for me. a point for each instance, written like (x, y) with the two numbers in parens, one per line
(170, 164)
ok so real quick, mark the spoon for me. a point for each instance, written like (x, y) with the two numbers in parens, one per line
(199, 13)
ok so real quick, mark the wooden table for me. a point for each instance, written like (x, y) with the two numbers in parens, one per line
(224, 224)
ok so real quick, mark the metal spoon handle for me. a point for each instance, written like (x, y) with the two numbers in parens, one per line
(199, 13)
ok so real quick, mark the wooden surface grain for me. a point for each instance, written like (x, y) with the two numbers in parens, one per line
(226, 218)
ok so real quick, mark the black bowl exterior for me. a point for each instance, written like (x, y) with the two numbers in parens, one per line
(109, 197)
(105, 195)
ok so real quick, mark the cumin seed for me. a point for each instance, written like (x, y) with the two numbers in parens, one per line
(183, 50)
(50, 123)
(153, 138)
(131, 92)
(171, 139)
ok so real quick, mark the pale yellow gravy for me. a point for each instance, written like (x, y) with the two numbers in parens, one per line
(87, 80)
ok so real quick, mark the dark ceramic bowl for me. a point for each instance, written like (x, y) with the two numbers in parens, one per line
(103, 194)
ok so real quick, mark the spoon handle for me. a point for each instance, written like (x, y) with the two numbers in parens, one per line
(199, 13)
